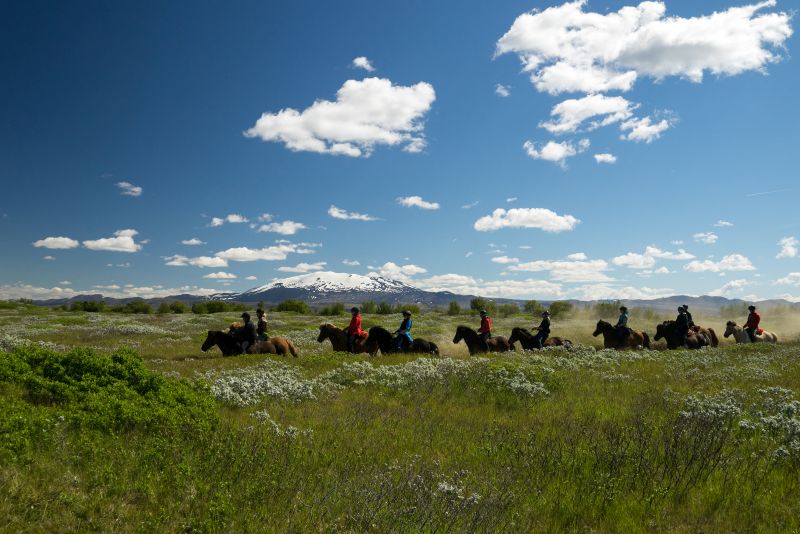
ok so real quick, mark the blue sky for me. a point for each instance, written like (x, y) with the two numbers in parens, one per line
(128, 127)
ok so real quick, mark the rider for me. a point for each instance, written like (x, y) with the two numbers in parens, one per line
(542, 331)
(622, 326)
(246, 334)
(751, 326)
(485, 331)
(682, 327)
(403, 334)
(353, 329)
(689, 318)
(261, 329)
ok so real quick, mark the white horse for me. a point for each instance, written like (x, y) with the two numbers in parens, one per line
(742, 337)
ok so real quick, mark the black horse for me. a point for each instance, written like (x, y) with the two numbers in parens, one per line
(226, 343)
(696, 339)
(386, 343)
(470, 337)
(525, 339)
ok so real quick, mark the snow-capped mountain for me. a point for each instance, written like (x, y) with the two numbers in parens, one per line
(327, 286)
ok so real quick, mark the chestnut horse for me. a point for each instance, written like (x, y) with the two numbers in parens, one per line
(231, 347)
(525, 339)
(338, 339)
(698, 338)
(386, 343)
(634, 340)
(274, 345)
(470, 337)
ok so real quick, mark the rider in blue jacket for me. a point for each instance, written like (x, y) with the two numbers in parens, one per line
(403, 334)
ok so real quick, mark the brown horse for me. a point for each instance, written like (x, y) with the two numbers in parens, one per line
(634, 340)
(525, 339)
(226, 343)
(470, 337)
(698, 338)
(338, 339)
(274, 345)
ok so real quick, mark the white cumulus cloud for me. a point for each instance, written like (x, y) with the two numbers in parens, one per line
(468, 285)
(731, 287)
(541, 218)
(505, 259)
(732, 262)
(56, 243)
(361, 62)
(643, 129)
(127, 188)
(192, 242)
(303, 267)
(284, 228)
(568, 270)
(398, 272)
(723, 224)
(338, 213)
(121, 242)
(555, 151)
(709, 238)
(365, 113)
(502, 90)
(221, 275)
(417, 201)
(788, 247)
(351, 263)
(605, 158)
(568, 116)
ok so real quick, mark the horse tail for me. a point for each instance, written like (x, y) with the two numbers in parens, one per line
(434, 348)
(645, 340)
(292, 348)
(567, 343)
(714, 338)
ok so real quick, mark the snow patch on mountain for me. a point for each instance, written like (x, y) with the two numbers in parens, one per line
(329, 282)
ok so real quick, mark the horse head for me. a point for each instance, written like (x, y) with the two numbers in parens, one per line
(515, 336)
(324, 332)
(661, 331)
(730, 329)
(461, 333)
(602, 326)
(210, 341)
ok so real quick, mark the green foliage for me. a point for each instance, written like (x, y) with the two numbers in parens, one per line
(453, 308)
(479, 303)
(384, 308)
(533, 307)
(88, 306)
(368, 306)
(507, 310)
(163, 308)
(607, 310)
(413, 308)
(178, 307)
(560, 309)
(217, 306)
(336, 308)
(134, 306)
(81, 388)
(293, 305)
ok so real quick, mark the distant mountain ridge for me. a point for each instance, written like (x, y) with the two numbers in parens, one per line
(326, 287)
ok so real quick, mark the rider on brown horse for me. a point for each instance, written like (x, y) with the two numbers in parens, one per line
(245, 334)
(689, 318)
(751, 326)
(542, 331)
(353, 329)
(682, 327)
(622, 326)
(261, 329)
(485, 331)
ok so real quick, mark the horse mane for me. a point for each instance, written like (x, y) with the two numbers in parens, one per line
(523, 330)
(462, 327)
(329, 326)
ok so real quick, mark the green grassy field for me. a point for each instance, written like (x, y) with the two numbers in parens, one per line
(120, 423)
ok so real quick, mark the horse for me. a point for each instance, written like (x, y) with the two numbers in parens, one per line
(634, 340)
(274, 345)
(741, 336)
(698, 337)
(226, 343)
(338, 339)
(470, 337)
(386, 343)
(525, 339)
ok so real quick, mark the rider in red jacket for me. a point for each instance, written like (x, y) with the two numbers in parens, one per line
(485, 331)
(353, 329)
(751, 326)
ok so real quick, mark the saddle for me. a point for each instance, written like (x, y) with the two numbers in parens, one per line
(760, 331)
(363, 335)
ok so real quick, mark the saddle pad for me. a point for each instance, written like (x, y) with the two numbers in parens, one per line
(760, 331)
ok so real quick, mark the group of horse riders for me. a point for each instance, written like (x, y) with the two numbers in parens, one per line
(250, 333)
(402, 336)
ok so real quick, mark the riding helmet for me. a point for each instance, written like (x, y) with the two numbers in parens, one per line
(406, 312)
(245, 315)
(751, 308)
(353, 310)
(483, 312)
(623, 308)
(545, 313)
